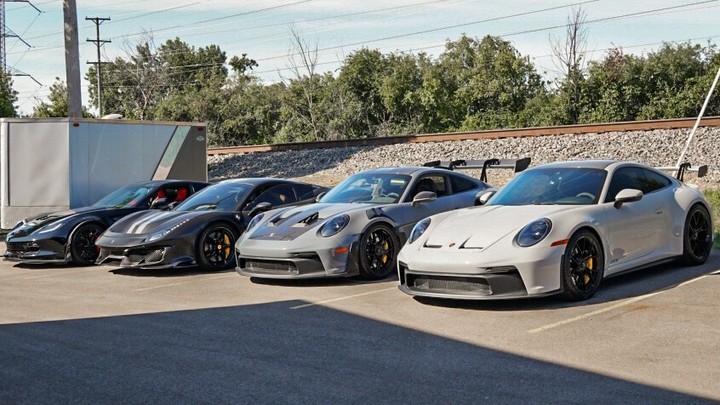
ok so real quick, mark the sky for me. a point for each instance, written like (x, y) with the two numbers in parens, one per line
(263, 29)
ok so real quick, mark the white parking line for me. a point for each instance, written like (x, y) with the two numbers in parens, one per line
(341, 298)
(180, 283)
(618, 305)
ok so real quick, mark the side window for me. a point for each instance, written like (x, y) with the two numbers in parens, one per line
(637, 178)
(278, 195)
(434, 182)
(304, 191)
(460, 184)
(653, 181)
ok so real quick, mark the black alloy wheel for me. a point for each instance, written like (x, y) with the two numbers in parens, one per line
(83, 251)
(583, 266)
(378, 252)
(697, 237)
(216, 248)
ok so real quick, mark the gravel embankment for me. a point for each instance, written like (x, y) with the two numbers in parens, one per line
(329, 166)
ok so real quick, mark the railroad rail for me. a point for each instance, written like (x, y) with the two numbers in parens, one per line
(488, 134)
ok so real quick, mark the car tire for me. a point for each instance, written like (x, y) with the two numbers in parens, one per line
(378, 250)
(83, 251)
(697, 236)
(583, 266)
(216, 247)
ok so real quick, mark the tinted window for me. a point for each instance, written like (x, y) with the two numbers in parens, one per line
(129, 196)
(637, 178)
(218, 197)
(278, 195)
(460, 184)
(434, 183)
(304, 191)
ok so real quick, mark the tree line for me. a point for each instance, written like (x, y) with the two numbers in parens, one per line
(474, 84)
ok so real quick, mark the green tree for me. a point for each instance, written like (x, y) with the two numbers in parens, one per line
(491, 83)
(57, 104)
(8, 96)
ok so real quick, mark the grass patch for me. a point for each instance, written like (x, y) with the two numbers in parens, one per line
(713, 196)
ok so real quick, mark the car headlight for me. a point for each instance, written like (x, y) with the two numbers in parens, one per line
(157, 235)
(534, 232)
(255, 220)
(418, 230)
(334, 225)
(53, 226)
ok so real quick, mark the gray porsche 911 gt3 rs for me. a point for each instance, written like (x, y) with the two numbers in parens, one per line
(358, 227)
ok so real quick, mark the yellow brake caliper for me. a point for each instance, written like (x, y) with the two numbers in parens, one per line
(589, 266)
(385, 256)
(226, 239)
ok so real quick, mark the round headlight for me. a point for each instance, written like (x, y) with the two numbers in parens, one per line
(334, 225)
(534, 232)
(418, 230)
(255, 220)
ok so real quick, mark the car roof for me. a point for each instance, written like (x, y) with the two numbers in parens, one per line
(254, 181)
(588, 164)
(156, 183)
(407, 170)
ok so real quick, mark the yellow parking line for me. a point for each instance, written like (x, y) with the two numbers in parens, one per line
(616, 306)
(179, 283)
(341, 298)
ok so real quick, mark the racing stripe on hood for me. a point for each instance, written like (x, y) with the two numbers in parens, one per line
(150, 217)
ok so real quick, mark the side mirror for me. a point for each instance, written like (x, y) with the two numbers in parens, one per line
(320, 196)
(260, 207)
(627, 195)
(423, 196)
(159, 203)
(483, 196)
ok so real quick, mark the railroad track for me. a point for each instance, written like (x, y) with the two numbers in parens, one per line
(489, 134)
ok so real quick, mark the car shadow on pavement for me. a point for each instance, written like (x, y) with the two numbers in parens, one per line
(629, 285)
(269, 353)
(170, 272)
(319, 282)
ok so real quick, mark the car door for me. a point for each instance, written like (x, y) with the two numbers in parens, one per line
(406, 215)
(634, 230)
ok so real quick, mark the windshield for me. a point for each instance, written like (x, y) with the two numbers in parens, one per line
(371, 188)
(218, 197)
(128, 196)
(567, 186)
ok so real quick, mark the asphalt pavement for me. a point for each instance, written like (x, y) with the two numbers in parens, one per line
(108, 335)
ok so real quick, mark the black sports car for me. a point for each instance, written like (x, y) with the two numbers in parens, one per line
(203, 229)
(69, 236)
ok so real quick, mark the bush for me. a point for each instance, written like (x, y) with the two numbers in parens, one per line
(713, 196)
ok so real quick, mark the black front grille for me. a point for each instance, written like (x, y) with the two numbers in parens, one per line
(22, 247)
(144, 257)
(449, 285)
(270, 266)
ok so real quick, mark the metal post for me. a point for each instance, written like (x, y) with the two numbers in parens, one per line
(697, 122)
(98, 43)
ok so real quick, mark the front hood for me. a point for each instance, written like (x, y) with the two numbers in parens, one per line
(293, 222)
(151, 221)
(478, 228)
(32, 224)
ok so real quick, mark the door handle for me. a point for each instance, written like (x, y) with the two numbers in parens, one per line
(658, 212)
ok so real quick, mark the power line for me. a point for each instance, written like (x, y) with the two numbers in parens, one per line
(98, 44)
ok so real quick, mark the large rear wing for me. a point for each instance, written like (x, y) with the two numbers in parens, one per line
(517, 165)
(683, 168)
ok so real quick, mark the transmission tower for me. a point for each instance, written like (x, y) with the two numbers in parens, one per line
(98, 43)
(6, 32)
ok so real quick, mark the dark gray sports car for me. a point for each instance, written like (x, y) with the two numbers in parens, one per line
(69, 236)
(203, 229)
(359, 226)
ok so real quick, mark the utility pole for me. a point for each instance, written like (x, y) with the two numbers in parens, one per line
(72, 59)
(98, 43)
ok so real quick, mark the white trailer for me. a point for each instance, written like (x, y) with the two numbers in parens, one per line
(58, 163)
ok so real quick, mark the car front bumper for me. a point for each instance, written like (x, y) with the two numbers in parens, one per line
(36, 251)
(132, 253)
(331, 257)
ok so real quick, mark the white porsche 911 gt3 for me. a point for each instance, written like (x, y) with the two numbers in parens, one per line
(558, 228)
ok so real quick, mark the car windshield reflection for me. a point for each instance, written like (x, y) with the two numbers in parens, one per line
(126, 197)
(370, 188)
(552, 186)
(218, 197)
